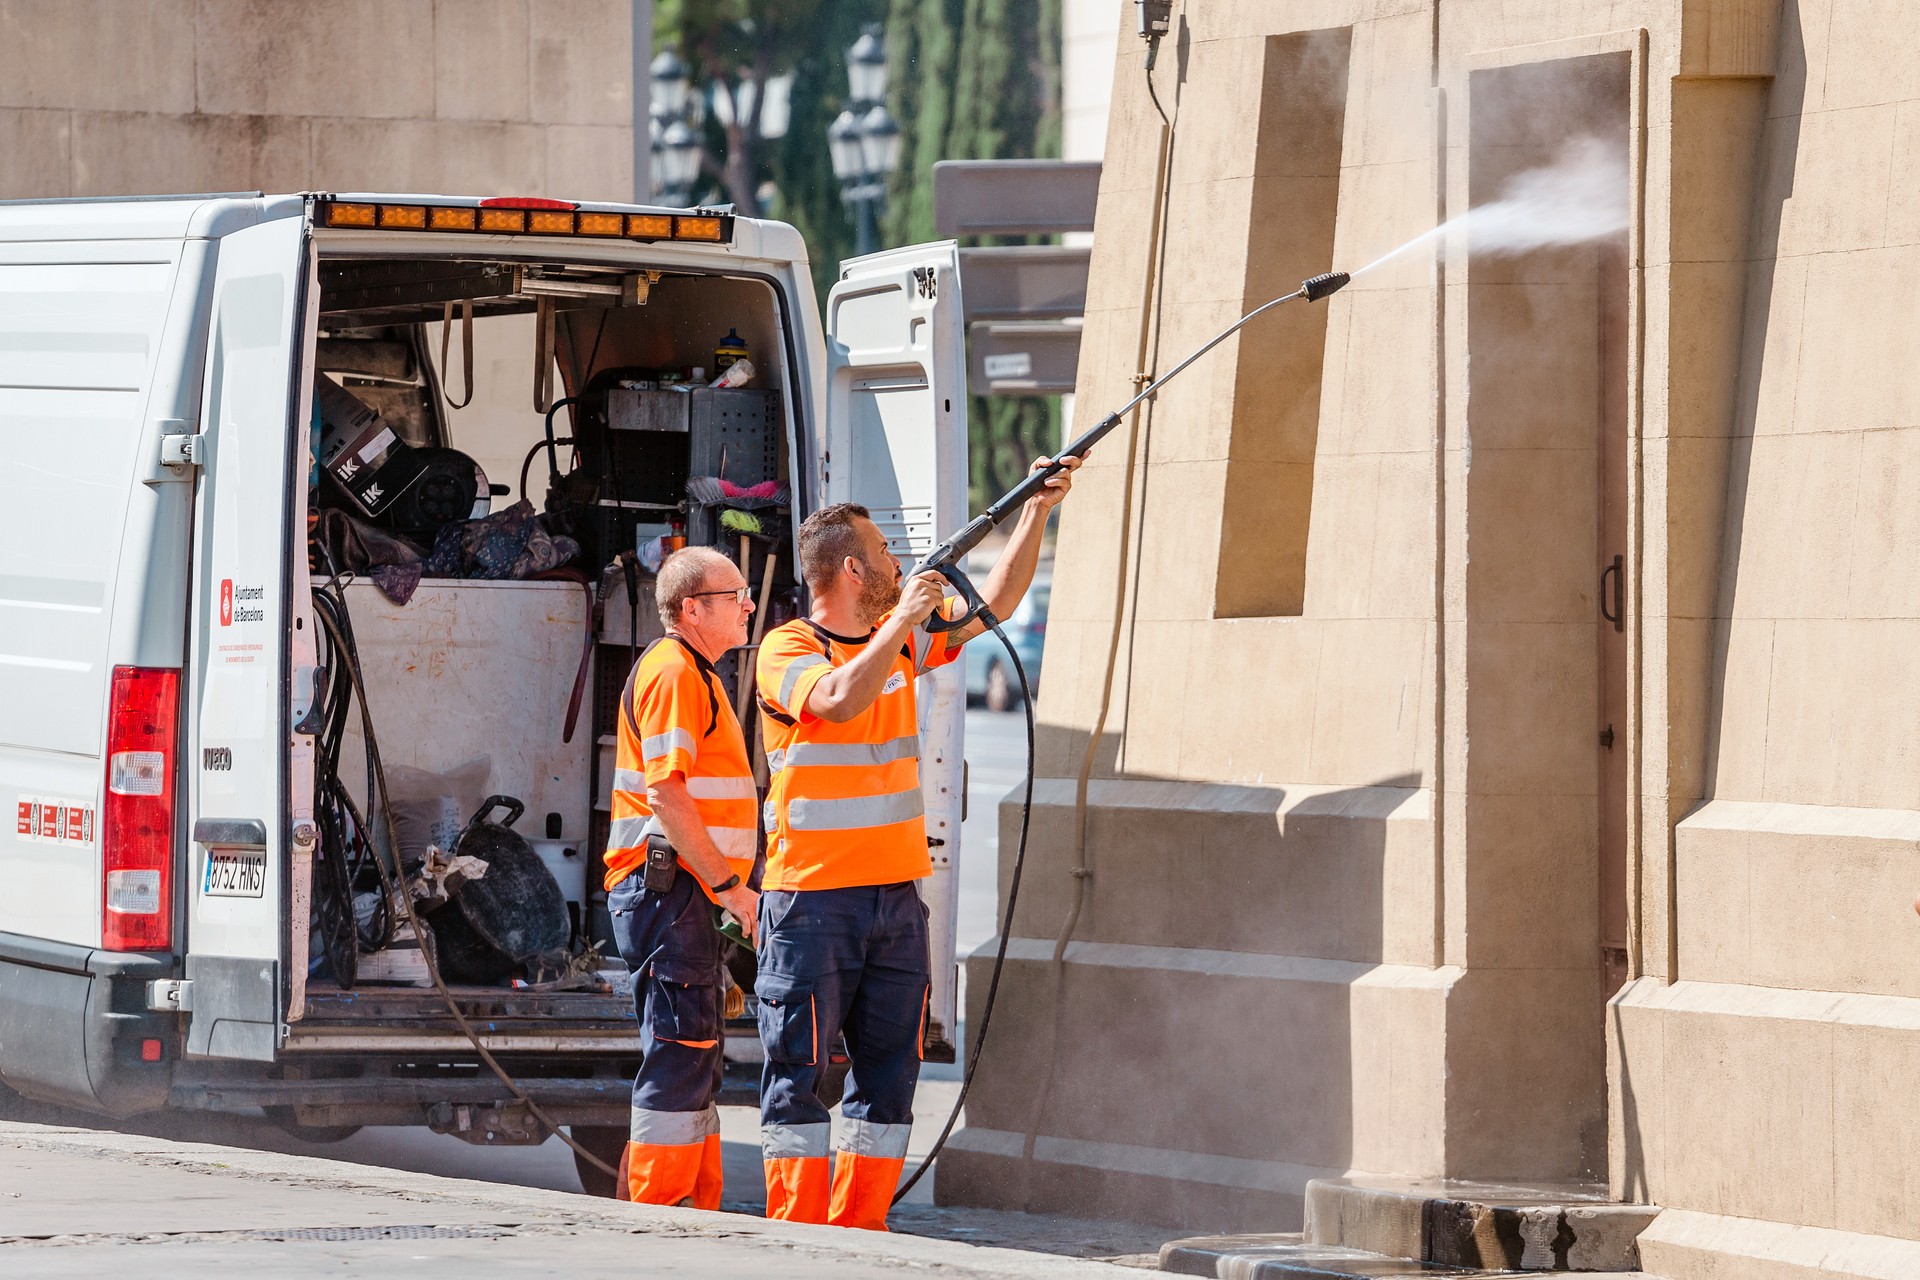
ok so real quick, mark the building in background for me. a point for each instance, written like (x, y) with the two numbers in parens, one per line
(1507, 772)
(1089, 36)
(144, 97)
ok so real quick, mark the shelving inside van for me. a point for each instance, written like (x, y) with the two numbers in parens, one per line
(576, 398)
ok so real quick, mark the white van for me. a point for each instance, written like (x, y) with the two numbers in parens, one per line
(163, 364)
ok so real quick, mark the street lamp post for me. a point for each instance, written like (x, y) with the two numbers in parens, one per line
(864, 140)
(676, 147)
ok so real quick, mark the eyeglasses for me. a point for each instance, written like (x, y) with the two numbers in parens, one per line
(740, 594)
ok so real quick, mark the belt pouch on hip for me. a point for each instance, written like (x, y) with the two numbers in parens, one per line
(662, 865)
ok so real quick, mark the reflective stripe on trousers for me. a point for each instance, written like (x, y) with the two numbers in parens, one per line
(673, 1158)
(672, 1128)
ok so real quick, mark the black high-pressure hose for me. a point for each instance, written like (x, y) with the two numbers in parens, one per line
(1006, 922)
(945, 560)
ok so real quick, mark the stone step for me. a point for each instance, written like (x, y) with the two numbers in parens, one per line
(1484, 1225)
(1289, 1257)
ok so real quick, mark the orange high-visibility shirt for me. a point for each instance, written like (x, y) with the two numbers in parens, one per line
(675, 717)
(843, 807)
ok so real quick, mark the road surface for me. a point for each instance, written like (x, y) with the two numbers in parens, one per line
(996, 747)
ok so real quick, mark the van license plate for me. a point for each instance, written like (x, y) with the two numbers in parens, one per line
(235, 873)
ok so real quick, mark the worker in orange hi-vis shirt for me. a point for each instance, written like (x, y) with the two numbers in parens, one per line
(682, 792)
(843, 934)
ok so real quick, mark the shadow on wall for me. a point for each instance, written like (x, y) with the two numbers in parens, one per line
(1779, 148)
(1776, 179)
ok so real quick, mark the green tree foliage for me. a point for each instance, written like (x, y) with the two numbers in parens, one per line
(742, 42)
(976, 80)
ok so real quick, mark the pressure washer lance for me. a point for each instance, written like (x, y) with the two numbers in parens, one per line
(945, 560)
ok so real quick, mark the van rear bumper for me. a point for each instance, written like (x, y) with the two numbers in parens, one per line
(73, 1020)
(458, 1098)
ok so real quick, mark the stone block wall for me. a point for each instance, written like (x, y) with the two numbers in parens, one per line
(126, 97)
(1371, 892)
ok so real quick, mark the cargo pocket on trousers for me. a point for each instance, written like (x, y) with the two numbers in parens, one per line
(683, 1003)
(787, 1025)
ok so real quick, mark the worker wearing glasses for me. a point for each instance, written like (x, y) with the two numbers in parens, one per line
(684, 837)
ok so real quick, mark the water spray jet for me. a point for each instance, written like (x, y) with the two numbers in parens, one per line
(1582, 196)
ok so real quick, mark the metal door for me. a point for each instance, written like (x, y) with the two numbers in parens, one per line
(240, 810)
(896, 442)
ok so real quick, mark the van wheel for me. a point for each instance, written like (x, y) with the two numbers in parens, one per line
(609, 1143)
(285, 1120)
(1001, 695)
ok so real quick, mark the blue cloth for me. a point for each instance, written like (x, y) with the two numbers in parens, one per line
(669, 942)
(842, 960)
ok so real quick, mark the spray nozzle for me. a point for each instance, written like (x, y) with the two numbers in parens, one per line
(1314, 288)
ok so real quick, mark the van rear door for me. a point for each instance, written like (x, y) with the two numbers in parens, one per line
(896, 442)
(246, 566)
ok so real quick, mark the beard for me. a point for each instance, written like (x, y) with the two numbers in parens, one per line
(879, 592)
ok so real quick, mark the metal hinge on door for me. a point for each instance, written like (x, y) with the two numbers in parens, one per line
(180, 449)
(170, 995)
(1606, 737)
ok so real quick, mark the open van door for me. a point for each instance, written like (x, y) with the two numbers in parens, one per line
(240, 814)
(896, 443)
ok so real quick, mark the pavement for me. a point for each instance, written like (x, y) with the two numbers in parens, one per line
(84, 1203)
(175, 1194)
(996, 764)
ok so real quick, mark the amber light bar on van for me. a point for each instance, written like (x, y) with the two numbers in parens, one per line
(136, 816)
(516, 216)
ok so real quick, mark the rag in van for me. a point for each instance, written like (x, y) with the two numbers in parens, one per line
(339, 543)
(509, 544)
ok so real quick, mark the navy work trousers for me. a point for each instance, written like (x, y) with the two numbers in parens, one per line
(669, 942)
(836, 961)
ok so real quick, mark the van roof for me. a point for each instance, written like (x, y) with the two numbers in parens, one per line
(163, 217)
(142, 217)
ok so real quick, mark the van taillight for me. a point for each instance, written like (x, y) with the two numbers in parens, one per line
(136, 828)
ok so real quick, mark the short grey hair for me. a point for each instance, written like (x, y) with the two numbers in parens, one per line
(685, 572)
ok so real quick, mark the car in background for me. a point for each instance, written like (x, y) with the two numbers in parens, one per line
(990, 677)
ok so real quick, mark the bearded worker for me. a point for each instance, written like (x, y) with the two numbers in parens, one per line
(683, 840)
(843, 933)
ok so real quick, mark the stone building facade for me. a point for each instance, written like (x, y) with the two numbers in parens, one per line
(1506, 769)
(144, 97)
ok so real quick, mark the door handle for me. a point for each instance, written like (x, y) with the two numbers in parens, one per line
(1617, 615)
(230, 833)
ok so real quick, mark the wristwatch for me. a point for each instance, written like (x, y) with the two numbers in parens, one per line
(731, 882)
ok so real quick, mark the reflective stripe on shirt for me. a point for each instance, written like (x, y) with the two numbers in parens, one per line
(661, 743)
(792, 677)
(854, 753)
(722, 789)
(805, 813)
